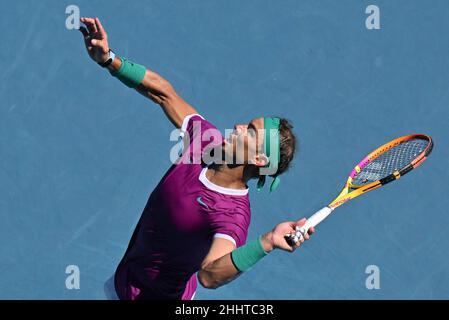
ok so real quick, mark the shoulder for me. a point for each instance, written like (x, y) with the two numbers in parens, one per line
(193, 121)
(232, 224)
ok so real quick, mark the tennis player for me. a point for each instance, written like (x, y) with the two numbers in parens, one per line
(195, 223)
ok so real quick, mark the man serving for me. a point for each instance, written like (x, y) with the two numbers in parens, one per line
(195, 223)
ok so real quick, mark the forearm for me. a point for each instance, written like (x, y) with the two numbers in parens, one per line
(152, 85)
(160, 91)
(222, 265)
(151, 82)
(223, 270)
(136, 76)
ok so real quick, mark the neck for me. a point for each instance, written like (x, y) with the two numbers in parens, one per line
(235, 177)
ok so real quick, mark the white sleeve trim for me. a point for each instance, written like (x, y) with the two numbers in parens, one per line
(185, 122)
(225, 236)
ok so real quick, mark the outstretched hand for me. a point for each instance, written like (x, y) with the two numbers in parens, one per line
(95, 39)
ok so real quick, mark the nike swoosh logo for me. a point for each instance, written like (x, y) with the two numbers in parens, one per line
(201, 202)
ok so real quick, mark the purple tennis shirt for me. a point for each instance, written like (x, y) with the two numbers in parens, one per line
(183, 215)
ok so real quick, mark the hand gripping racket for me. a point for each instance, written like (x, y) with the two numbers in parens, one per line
(385, 164)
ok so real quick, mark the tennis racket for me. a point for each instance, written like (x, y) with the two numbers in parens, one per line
(384, 165)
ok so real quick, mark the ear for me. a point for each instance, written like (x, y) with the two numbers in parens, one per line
(260, 160)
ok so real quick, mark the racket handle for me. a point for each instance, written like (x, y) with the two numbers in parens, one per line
(315, 219)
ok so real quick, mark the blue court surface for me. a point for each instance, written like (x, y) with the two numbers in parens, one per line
(80, 152)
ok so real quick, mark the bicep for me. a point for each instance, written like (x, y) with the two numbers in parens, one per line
(217, 268)
(219, 248)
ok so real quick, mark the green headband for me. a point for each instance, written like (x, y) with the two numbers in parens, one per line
(272, 141)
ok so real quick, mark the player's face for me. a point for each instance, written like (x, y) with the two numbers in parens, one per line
(246, 141)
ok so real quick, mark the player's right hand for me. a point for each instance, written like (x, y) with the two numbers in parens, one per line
(281, 230)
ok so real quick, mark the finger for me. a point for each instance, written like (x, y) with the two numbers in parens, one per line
(301, 222)
(297, 245)
(292, 244)
(289, 241)
(84, 32)
(100, 28)
(101, 44)
(96, 43)
(296, 239)
(306, 236)
(84, 20)
(87, 20)
(311, 230)
(89, 28)
(90, 23)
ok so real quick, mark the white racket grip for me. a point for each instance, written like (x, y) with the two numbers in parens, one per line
(315, 219)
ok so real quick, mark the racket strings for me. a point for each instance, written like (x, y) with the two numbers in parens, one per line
(390, 161)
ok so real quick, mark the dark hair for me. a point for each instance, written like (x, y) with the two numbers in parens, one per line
(288, 146)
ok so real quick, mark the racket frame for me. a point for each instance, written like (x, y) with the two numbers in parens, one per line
(351, 191)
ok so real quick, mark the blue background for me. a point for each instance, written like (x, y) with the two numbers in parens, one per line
(80, 152)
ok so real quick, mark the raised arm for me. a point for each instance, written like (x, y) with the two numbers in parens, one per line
(150, 84)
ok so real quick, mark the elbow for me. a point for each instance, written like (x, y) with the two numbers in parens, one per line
(206, 280)
(157, 86)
